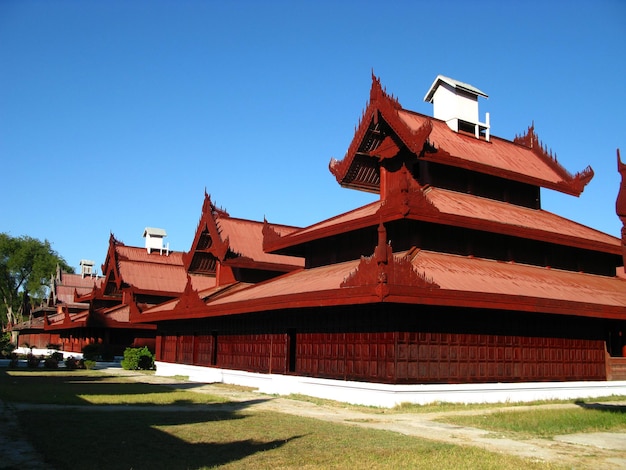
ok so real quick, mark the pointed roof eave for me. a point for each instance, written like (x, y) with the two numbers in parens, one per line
(111, 256)
(360, 217)
(111, 263)
(387, 107)
(208, 221)
(571, 184)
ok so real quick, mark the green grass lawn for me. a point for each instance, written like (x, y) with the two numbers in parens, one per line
(547, 423)
(90, 387)
(92, 437)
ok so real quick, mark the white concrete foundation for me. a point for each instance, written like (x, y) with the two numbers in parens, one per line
(388, 396)
(46, 352)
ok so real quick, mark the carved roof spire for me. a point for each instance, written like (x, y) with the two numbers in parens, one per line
(620, 203)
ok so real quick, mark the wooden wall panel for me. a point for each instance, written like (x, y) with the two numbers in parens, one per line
(203, 350)
(185, 349)
(399, 344)
(168, 348)
(266, 353)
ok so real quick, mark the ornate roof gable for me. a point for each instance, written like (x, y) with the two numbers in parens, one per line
(189, 300)
(207, 247)
(576, 182)
(111, 268)
(404, 196)
(270, 235)
(383, 269)
(376, 140)
(112, 282)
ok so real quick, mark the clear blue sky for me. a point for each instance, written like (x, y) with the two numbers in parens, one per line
(116, 115)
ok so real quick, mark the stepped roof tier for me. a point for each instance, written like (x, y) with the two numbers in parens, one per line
(437, 205)
(430, 278)
(386, 129)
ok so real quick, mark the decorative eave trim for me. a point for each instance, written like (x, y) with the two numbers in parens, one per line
(189, 300)
(383, 269)
(112, 255)
(209, 222)
(270, 235)
(386, 106)
(576, 183)
(404, 196)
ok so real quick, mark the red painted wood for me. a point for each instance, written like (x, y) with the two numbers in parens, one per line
(401, 357)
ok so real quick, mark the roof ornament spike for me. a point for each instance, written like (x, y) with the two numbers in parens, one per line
(620, 203)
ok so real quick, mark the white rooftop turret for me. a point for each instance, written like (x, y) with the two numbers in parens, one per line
(86, 267)
(456, 103)
(154, 240)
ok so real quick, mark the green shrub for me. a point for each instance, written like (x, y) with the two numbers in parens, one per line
(91, 352)
(138, 358)
(89, 364)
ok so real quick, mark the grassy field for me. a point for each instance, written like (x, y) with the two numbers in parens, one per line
(97, 436)
(547, 423)
(60, 387)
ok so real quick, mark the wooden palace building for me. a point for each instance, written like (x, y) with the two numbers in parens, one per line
(454, 275)
(60, 303)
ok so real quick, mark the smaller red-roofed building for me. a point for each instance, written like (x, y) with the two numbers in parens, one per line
(229, 251)
(60, 301)
(133, 279)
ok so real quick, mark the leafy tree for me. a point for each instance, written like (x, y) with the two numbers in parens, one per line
(26, 265)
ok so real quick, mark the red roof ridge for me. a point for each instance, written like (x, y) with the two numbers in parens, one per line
(531, 140)
(272, 241)
(413, 133)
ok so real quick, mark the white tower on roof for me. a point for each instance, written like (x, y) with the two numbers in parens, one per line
(86, 267)
(456, 103)
(154, 240)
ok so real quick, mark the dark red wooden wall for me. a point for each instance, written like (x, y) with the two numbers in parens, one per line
(398, 345)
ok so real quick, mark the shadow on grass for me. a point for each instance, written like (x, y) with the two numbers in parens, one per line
(69, 388)
(142, 440)
(180, 435)
(613, 408)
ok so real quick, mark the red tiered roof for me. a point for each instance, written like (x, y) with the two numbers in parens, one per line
(415, 276)
(447, 279)
(459, 209)
(524, 160)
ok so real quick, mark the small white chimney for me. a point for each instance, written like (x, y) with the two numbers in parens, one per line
(154, 240)
(456, 103)
(86, 267)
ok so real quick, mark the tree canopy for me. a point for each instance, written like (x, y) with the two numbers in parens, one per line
(26, 265)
